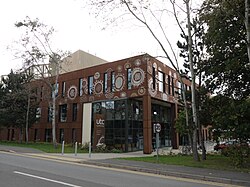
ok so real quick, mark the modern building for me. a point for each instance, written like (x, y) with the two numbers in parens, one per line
(112, 103)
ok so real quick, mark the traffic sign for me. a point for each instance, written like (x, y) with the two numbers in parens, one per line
(157, 127)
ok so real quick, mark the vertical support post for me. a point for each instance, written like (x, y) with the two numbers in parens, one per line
(62, 147)
(147, 126)
(76, 149)
(157, 145)
(89, 149)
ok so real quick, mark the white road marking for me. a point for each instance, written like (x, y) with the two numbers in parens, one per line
(46, 179)
(197, 181)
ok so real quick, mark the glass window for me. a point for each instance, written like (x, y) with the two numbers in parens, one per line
(172, 86)
(90, 85)
(129, 77)
(41, 93)
(161, 83)
(63, 113)
(154, 81)
(112, 81)
(74, 111)
(179, 88)
(105, 83)
(169, 84)
(80, 87)
(38, 113)
(63, 88)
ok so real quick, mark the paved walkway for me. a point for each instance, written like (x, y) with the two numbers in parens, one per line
(108, 160)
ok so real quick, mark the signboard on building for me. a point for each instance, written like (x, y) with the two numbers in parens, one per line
(99, 130)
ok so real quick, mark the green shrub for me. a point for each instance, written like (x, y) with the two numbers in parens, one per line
(237, 154)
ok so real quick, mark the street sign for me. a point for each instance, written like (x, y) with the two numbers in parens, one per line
(157, 128)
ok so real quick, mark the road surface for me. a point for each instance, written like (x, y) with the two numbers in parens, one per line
(24, 171)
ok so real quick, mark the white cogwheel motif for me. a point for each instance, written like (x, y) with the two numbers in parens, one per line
(155, 65)
(97, 75)
(137, 62)
(149, 64)
(72, 92)
(123, 94)
(98, 87)
(141, 91)
(84, 83)
(127, 65)
(119, 82)
(138, 77)
(119, 68)
(151, 90)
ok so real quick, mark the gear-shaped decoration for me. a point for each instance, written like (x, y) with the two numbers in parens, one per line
(134, 95)
(127, 65)
(72, 92)
(137, 62)
(150, 69)
(141, 91)
(108, 71)
(123, 94)
(151, 90)
(98, 87)
(119, 82)
(97, 75)
(119, 68)
(84, 83)
(155, 65)
(138, 76)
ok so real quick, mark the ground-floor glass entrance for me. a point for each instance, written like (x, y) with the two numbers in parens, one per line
(118, 124)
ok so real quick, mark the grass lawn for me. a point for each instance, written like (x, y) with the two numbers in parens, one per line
(46, 147)
(213, 161)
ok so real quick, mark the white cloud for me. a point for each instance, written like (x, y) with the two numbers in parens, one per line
(76, 29)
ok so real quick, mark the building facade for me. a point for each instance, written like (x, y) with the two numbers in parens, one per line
(115, 103)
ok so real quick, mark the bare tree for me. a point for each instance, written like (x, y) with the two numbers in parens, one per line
(139, 10)
(35, 51)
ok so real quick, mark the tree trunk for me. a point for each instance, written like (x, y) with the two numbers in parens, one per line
(186, 111)
(202, 144)
(247, 25)
(27, 120)
(194, 111)
(56, 61)
(54, 119)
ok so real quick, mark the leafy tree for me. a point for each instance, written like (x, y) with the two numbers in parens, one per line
(230, 117)
(227, 69)
(14, 103)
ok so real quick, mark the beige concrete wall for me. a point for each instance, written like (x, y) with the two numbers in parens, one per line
(86, 122)
(80, 60)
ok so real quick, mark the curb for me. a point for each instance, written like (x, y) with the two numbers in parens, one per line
(172, 174)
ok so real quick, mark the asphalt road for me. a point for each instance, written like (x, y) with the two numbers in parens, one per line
(23, 171)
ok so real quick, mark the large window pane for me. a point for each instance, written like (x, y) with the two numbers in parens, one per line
(63, 113)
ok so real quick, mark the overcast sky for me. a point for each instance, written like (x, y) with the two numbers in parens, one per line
(75, 29)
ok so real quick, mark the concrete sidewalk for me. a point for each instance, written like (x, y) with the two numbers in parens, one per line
(111, 160)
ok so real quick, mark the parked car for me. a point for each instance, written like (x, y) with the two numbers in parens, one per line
(224, 145)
